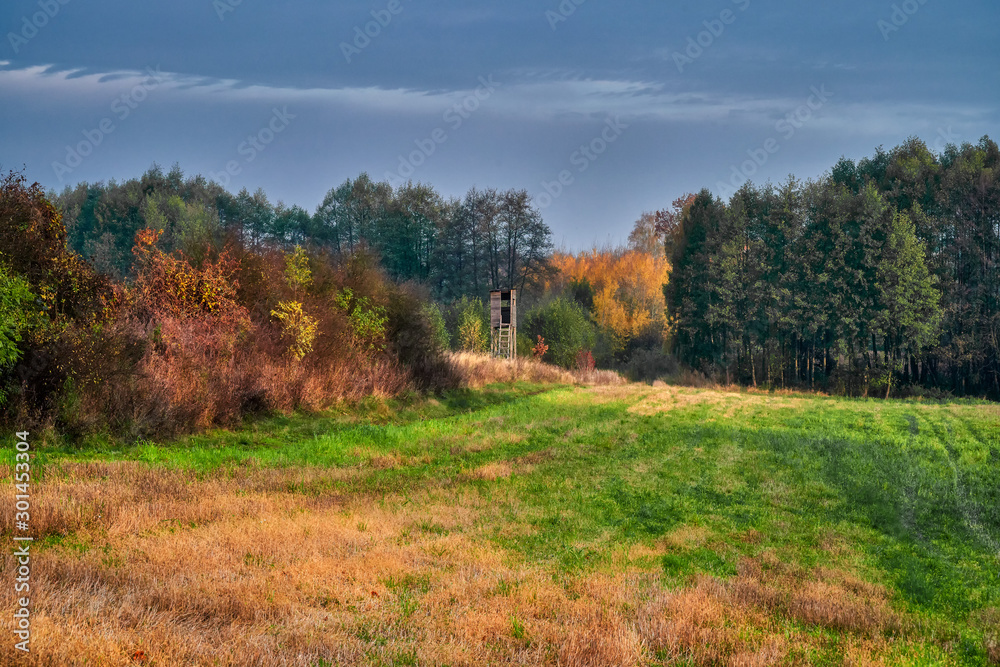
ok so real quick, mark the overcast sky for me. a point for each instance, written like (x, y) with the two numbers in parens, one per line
(632, 104)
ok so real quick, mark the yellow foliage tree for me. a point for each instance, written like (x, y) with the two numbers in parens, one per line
(627, 285)
(297, 271)
(298, 327)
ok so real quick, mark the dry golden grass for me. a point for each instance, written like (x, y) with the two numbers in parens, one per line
(350, 584)
(686, 536)
(126, 497)
(662, 397)
(493, 471)
(611, 393)
(598, 377)
(235, 570)
(479, 370)
(739, 621)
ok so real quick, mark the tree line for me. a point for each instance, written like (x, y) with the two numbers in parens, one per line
(882, 274)
(488, 239)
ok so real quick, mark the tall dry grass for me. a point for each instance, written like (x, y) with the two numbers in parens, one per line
(479, 370)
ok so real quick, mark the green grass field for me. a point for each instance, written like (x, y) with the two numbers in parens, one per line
(657, 525)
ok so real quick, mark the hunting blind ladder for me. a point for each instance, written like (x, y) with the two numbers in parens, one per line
(503, 323)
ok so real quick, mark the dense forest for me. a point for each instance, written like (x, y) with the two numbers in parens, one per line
(884, 273)
(484, 241)
(166, 303)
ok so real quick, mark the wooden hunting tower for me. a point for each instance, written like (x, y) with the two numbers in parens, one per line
(503, 323)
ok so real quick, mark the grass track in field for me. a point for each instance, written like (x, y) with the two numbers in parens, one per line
(715, 527)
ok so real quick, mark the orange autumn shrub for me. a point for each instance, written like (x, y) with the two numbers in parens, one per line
(169, 285)
(627, 289)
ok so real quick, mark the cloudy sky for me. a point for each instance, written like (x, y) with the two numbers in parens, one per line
(629, 104)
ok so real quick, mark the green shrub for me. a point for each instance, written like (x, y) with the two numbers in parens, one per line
(465, 307)
(564, 326)
(417, 337)
(524, 344)
(582, 292)
(438, 328)
(368, 321)
(19, 313)
(16, 312)
(472, 333)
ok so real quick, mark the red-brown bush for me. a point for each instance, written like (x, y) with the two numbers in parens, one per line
(216, 354)
(585, 361)
(192, 343)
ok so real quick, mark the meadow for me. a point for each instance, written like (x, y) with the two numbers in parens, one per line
(529, 524)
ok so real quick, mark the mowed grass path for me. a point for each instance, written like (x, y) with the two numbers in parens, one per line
(531, 525)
